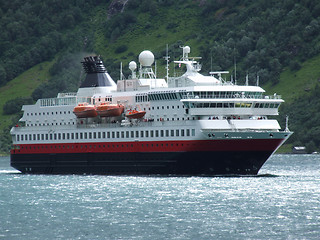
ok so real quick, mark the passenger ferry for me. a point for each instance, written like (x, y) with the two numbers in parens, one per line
(186, 125)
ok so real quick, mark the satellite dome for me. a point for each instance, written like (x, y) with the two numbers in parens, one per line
(186, 49)
(132, 65)
(146, 58)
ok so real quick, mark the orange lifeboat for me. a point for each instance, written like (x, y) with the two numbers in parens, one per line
(110, 110)
(134, 114)
(85, 110)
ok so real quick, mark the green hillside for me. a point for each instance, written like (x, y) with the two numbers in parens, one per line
(42, 44)
(295, 84)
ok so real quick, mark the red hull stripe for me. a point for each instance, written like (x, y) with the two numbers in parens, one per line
(156, 146)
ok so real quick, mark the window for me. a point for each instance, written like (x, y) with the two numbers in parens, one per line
(132, 134)
(188, 132)
(182, 132)
(177, 132)
(172, 133)
(141, 134)
(167, 133)
(193, 132)
(137, 134)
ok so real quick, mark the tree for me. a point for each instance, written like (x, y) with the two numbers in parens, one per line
(3, 75)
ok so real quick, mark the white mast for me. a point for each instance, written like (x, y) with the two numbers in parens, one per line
(121, 71)
(247, 79)
(287, 126)
(167, 60)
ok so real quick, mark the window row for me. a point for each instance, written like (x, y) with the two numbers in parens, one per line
(48, 124)
(163, 96)
(231, 105)
(103, 135)
(220, 94)
(48, 113)
(105, 146)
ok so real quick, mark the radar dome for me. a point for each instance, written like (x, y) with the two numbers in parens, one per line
(186, 49)
(132, 65)
(146, 58)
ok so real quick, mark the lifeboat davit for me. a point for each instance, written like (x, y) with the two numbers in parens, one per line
(85, 110)
(109, 110)
(134, 114)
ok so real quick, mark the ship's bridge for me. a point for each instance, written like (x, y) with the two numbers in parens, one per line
(232, 100)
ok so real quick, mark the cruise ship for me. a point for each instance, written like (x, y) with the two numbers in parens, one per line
(189, 124)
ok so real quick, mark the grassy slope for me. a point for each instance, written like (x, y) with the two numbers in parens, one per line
(295, 84)
(153, 38)
(22, 86)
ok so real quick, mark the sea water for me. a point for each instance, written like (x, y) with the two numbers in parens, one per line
(282, 202)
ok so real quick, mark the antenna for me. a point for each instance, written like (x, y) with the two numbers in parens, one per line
(235, 66)
(258, 80)
(167, 59)
(120, 70)
(287, 126)
(247, 79)
(211, 59)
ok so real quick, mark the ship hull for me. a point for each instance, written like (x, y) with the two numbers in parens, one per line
(212, 158)
(175, 163)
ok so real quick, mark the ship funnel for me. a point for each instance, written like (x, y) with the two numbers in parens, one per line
(97, 79)
(97, 75)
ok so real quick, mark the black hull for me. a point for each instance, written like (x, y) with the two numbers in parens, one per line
(163, 163)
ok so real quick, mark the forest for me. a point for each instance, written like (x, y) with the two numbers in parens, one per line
(263, 38)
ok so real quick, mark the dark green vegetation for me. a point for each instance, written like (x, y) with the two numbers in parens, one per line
(277, 40)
